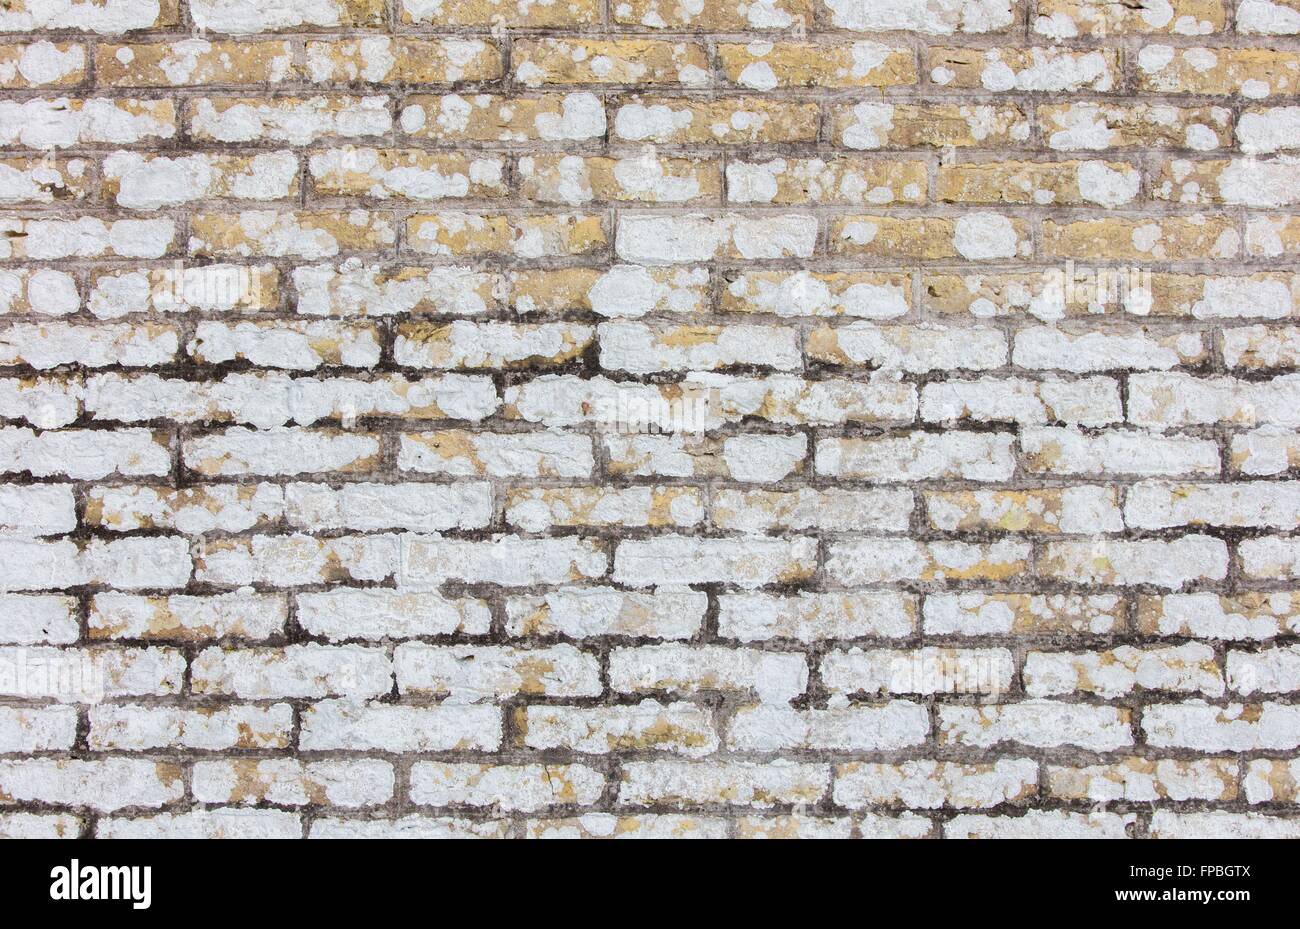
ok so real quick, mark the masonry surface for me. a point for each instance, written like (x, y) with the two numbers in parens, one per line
(647, 418)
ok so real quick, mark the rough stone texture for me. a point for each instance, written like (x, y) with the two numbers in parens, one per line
(650, 418)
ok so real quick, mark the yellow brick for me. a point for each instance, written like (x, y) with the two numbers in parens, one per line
(877, 124)
(624, 61)
(1273, 236)
(1096, 126)
(46, 180)
(1146, 779)
(525, 236)
(1025, 69)
(417, 61)
(296, 120)
(43, 64)
(308, 234)
(659, 290)
(1059, 183)
(879, 295)
(266, 176)
(505, 13)
(715, 15)
(178, 288)
(1166, 239)
(537, 509)
(1100, 19)
(1049, 510)
(931, 238)
(193, 62)
(405, 173)
(464, 344)
(732, 121)
(1251, 72)
(638, 178)
(491, 118)
(765, 65)
(836, 181)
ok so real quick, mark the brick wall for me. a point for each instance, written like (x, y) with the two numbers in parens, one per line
(649, 417)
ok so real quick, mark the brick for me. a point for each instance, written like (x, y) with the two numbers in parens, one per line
(810, 617)
(1169, 825)
(194, 62)
(1087, 126)
(1273, 505)
(723, 16)
(524, 236)
(295, 120)
(108, 785)
(239, 19)
(523, 454)
(977, 613)
(918, 456)
(737, 783)
(1253, 73)
(279, 451)
(29, 730)
(465, 344)
(294, 671)
(1057, 450)
(1272, 671)
(877, 125)
(510, 561)
(886, 560)
(912, 349)
(683, 728)
(84, 453)
(1036, 723)
(297, 560)
(600, 611)
(886, 727)
(1024, 69)
(286, 782)
(521, 788)
(1145, 780)
(106, 19)
(1091, 401)
(307, 234)
(685, 560)
(974, 236)
(408, 827)
(1041, 824)
(34, 619)
(922, 671)
(659, 507)
(870, 295)
(357, 726)
(576, 116)
(766, 65)
(684, 670)
(1068, 19)
(573, 179)
(1074, 510)
(935, 784)
(1191, 668)
(409, 60)
(220, 823)
(612, 61)
(474, 674)
(501, 13)
(139, 728)
(380, 613)
(839, 181)
(62, 122)
(1235, 727)
(846, 510)
(1270, 556)
(1269, 779)
(242, 614)
(1241, 616)
(1170, 564)
(1066, 183)
(1197, 237)
(610, 826)
(90, 675)
(730, 121)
